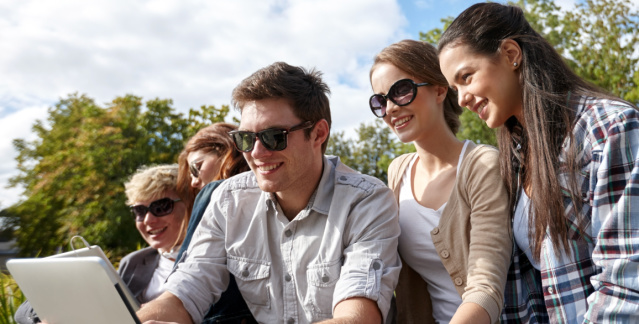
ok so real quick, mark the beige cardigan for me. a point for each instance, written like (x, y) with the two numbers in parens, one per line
(473, 238)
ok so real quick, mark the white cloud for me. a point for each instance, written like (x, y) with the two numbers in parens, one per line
(15, 125)
(192, 52)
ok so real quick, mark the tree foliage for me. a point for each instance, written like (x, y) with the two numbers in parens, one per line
(73, 172)
(373, 150)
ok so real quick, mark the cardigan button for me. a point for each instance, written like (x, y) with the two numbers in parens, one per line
(459, 281)
(445, 254)
(435, 230)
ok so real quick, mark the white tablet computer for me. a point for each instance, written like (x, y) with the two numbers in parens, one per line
(95, 250)
(69, 290)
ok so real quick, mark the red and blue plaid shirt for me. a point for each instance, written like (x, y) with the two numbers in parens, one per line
(599, 280)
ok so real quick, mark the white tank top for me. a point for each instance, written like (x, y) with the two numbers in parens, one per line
(156, 285)
(520, 227)
(417, 248)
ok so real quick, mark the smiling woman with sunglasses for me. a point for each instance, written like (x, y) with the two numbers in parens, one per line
(208, 156)
(159, 213)
(453, 207)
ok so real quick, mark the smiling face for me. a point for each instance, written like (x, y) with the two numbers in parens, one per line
(424, 113)
(162, 232)
(287, 171)
(487, 86)
(209, 165)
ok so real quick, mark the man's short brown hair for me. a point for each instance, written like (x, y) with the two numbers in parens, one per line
(304, 90)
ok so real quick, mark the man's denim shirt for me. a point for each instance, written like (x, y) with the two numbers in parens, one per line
(342, 245)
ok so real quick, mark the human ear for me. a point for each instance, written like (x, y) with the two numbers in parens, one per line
(441, 93)
(320, 132)
(511, 52)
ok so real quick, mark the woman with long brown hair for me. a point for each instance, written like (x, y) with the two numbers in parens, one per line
(208, 158)
(568, 154)
(453, 208)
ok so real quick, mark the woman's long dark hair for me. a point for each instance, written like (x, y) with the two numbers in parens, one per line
(549, 88)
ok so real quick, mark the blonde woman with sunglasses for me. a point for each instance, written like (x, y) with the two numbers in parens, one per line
(453, 207)
(159, 212)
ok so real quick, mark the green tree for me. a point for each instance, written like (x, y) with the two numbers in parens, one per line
(73, 173)
(373, 150)
(600, 39)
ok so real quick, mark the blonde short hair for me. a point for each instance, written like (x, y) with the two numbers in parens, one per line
(151, 182)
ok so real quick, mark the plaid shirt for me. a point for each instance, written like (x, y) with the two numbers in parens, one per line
(599, 280)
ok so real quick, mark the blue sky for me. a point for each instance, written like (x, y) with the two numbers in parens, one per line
(424, 15)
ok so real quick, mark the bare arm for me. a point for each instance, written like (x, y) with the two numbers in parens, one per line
(356, 310)
(470, 313)
(167, 307)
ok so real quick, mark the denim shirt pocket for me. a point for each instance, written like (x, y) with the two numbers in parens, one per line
(322, 278)
(252, 277)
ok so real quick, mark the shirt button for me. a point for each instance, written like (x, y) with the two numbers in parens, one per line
(325, 278)
(445, 254)
(287, 278)
(436, 230)
(458, 281)
(245, 273)
(550, 290)
(343, 178)
(290, 321)
(376, 265)
(288, 233)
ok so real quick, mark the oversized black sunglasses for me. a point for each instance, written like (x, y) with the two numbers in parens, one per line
(273, 139)
(158, 208)
(401, 93)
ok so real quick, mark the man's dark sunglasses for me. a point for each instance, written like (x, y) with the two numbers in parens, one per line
(158, 208)
(273, 139)
(401, 93)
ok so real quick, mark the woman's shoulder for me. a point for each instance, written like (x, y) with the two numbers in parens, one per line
(483, 153)
(138, 255)
(599, 118)
(397, 166)
(481, 165)
(595, 112)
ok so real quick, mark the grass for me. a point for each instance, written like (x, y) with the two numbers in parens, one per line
(10, 298)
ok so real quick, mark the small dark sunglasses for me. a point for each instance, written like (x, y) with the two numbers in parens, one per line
(401, 93)
(195, 167)
(158, 208)
(273, 139)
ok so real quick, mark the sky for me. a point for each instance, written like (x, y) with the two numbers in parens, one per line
(193, 52)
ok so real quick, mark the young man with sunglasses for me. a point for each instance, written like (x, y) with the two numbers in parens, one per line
(307, 238)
